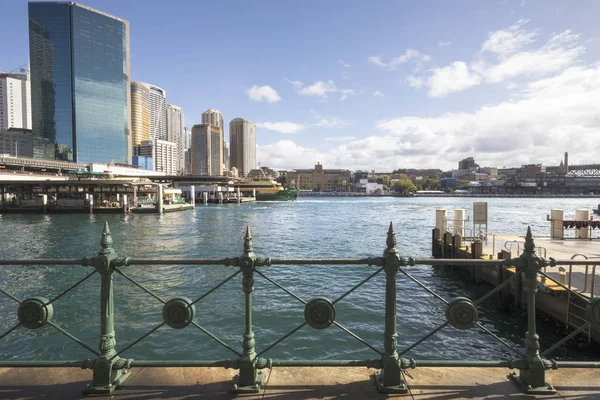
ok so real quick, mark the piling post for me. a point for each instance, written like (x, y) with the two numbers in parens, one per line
(239, 196)
(250, 378)
(110, 370)
(125, 204)
(390, 380)
(91, 203)
(205, 197)
(193, 195)
(44, 203)
(159, 199)
(533, 378)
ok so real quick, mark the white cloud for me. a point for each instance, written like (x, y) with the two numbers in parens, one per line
(321, 89)
(511, 60)
(297, 84)
(547, 117)
(331, 122)
(453, 78)
(409, 55)
(559, 52)
(443, 44)
(285, 154)
(344, 64)
(378, 93)
(507, 41)
(414, 82)
(339, 139)
(263, 93)
(376, 60)
(281, 127)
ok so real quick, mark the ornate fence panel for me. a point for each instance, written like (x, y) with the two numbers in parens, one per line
(110, 368)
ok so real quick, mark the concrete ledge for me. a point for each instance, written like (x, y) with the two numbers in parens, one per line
(292, 383)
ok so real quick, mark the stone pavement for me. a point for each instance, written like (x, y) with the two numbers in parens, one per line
(292, 383)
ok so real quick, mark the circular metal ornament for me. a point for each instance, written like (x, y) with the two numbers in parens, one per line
(35, 312)
(593, 312)
(319, 313)
(461, 313)
(179, 312)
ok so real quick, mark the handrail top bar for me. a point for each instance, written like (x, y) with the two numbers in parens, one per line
(234, 261)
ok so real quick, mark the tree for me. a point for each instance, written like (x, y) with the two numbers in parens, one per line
(404, 186)
(384, 180)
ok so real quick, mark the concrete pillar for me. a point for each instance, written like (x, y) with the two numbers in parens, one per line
(91, 202)
(458, 221)
(193, 195)
(441, 220)
(159, 199)
(44, 203)
(557, 230)
(205, 197)
(582, 215)
(220, 197)
(125, 204)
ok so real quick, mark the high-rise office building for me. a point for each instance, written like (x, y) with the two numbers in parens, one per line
(140, 113)
(242, 139)
(207, 150)
(158, 112)
(213, 117)
(15, 101)
(80, 85)
(175, 133)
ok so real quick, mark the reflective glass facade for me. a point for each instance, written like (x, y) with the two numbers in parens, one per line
(80, 83)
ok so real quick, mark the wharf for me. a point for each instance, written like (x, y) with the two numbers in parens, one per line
(578, 249)
(291, 383)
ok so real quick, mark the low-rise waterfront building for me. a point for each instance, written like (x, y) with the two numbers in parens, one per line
(320, 179)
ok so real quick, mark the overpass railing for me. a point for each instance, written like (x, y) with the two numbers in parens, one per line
(110, 368)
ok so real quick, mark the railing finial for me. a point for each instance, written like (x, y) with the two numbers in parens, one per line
(391, 237)
(106, 240)
(529, 243)
(248, 248)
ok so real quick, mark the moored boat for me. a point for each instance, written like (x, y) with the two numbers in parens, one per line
(267, 189)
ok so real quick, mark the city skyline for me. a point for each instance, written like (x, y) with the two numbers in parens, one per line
(509, 83)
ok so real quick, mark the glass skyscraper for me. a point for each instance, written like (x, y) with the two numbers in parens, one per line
(80, 86)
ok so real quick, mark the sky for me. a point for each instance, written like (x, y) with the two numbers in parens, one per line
(371, 85)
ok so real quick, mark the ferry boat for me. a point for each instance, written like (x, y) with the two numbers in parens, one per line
(267, 189)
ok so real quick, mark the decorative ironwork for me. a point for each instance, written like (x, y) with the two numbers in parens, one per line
(178, 312)
(35, 312)
(110, 369)
(461, 313)
(319, 313)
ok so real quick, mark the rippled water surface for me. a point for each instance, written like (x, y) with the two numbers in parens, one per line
(315, 227)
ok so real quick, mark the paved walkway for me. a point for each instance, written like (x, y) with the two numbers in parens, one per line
(293, 383)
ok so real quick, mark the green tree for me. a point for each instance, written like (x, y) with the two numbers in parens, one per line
(384, 180)
(404, 186)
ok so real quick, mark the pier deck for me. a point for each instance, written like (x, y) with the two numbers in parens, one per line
(558, 249)
(293, 383)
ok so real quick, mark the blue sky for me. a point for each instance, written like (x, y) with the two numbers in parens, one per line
(372, 85)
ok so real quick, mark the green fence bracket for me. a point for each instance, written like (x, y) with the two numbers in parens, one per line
(533, 378)
(109, 369)
(390, 380)
(250, 378)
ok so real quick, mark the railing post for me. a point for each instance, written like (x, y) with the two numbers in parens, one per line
(109, 369)
(390, 380)
(250, 378)
(533, 378)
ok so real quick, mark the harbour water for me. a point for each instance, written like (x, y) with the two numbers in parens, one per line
(314, 227)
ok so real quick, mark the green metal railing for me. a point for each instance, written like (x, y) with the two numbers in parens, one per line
(110, 369)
